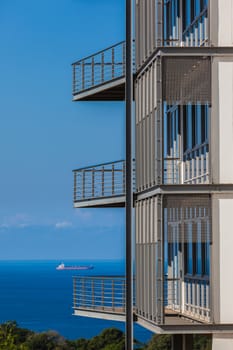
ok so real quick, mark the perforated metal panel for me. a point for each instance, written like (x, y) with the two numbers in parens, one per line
(187, 240)
(146, 257)
(183, 211)
(186, 80)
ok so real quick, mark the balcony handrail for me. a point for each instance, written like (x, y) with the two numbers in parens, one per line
(97, 53)
(98, 165)
(192, 24)
(104, 294)
(106, 180)
(204, 278)
(120, 277)
(102, 67)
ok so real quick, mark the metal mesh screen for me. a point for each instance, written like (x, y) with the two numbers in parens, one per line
(189, 216)
(187, 241)
(186, 80)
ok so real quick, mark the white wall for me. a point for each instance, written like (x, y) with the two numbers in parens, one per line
(222, 258)
(226, 259)
(222, 120)
(225, 23)
(221, 24)
(222, 342)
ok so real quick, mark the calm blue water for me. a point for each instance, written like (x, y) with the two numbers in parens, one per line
(39, 297)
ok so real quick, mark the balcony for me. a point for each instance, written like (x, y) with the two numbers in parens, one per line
(100, 185)
(100, 76)
(188, 298)
(99, 297)
(186, 302)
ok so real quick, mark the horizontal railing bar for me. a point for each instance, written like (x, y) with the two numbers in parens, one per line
(98, 165)
(110, 277)
(99, 52)
(101, 64)
(99, 170)
(195, 21)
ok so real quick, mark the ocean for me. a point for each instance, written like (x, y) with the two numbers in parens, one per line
(38, 297)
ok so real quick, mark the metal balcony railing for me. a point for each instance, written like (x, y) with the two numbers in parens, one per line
(197, 297)
(196, 165)
(172, 294)
(171, 170)
(197, 33)
(193, 168)
(100, 68)
(190, 297)
(99, 294)
(100, 181)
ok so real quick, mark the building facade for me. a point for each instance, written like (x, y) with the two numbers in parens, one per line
(183, 170)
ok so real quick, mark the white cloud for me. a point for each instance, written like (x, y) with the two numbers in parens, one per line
(63, 224)
(19, 220)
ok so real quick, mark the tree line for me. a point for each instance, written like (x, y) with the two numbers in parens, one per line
(13, 337)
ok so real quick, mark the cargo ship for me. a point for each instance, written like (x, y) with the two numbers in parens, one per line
(75, 267)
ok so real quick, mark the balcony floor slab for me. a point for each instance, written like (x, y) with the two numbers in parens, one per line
(109, 91)
(105, 314)
(108, 202)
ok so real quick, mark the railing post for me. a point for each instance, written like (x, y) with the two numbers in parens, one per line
(113, 304)
(83, 172)
(123, 178)
(74, 78)
(83, 75)
(75, 185)
(102, 293)
(83, 302)
(113, 180)
(74, 292)
(113, 63)
(102, 181)
(102, 67)
(93, 71)
(93, 293)
(123, 59)
(124, 295)
(93, 182)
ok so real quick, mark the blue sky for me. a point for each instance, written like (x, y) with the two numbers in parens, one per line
(43, 135)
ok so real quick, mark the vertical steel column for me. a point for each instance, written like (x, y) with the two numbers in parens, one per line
(129, 199)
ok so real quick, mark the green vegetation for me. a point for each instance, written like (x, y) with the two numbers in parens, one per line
(13, 337)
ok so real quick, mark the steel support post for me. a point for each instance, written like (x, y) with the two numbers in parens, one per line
(129, 197)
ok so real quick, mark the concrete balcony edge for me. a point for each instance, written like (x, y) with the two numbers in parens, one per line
(197, 328)
(109, 91)
(106, 202)
(100, 314)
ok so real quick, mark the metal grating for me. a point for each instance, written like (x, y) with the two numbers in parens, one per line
(187, 240)
(186, 211)
(187, 80)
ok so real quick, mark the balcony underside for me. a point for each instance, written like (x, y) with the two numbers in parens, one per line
(177, 324)
(103, 313)
(109, 91)
(174, 323)
(106, 202)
